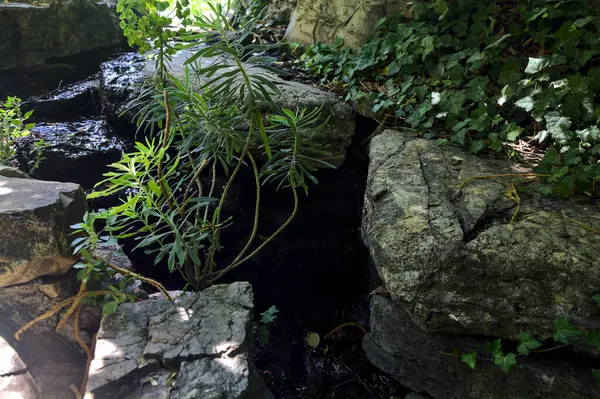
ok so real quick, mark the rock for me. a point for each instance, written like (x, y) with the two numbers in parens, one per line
(34, 34)
(34, 226)
(7, 171)
(122, 80)
(280, 11)
(53, 360)
(75, 100)
(400, 348)
(76, 151)
(113, 254)
(453, 258)
(354, 20)
(15, 380)
(414, 395)
(197, 348)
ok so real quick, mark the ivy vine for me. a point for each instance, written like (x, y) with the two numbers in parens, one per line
(483, 75)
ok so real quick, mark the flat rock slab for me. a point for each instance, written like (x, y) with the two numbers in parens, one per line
(34, 226)
(122, 80)
(414, 357)
(454, 259)
(197, 348)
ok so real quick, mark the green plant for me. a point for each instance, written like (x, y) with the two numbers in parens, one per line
(267, 318)
(37, 153)
(565, 334)
(148, 24)
(12, 127)
(211, 123)
(484, 74)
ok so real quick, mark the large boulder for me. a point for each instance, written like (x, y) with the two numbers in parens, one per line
(354, 20)
(196, 348)
(34, 226)
(33, 34)
(122, 81)
(423, 362)
(453, 257)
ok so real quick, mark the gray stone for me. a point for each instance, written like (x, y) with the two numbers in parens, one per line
(414, 357)
(32, 34)
(51, 360)
(453, 258)
(354, 20)
(122, 80)
(7, 171)
(15, 380)
(34, 226)
(197, 348)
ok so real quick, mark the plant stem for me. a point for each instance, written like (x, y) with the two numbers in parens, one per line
(256, 210)
(264, 244)
(216, 234)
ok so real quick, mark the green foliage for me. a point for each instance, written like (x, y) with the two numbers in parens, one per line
(148, 24)
(485, 73)
(267, 318)
(37, 153)
(12, 127)
(211, 123)
(92, 270)
(565, 334)
(469, 358)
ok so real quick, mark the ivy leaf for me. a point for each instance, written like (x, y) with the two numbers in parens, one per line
(110, 307)
(427, 44)
(510, 72)
(469, 358)
(476, 146)
(527, 343)
(513, 131)
(535, 65)
(526, 103)
(592, 337)
(596, 375)
(476, 89)
(558, 126)
(596, 299)
(564, 330)
(505, 362)
(495, 347)
(590, 134)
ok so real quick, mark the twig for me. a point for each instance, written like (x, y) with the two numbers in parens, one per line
(498, 176)
(350, 324)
